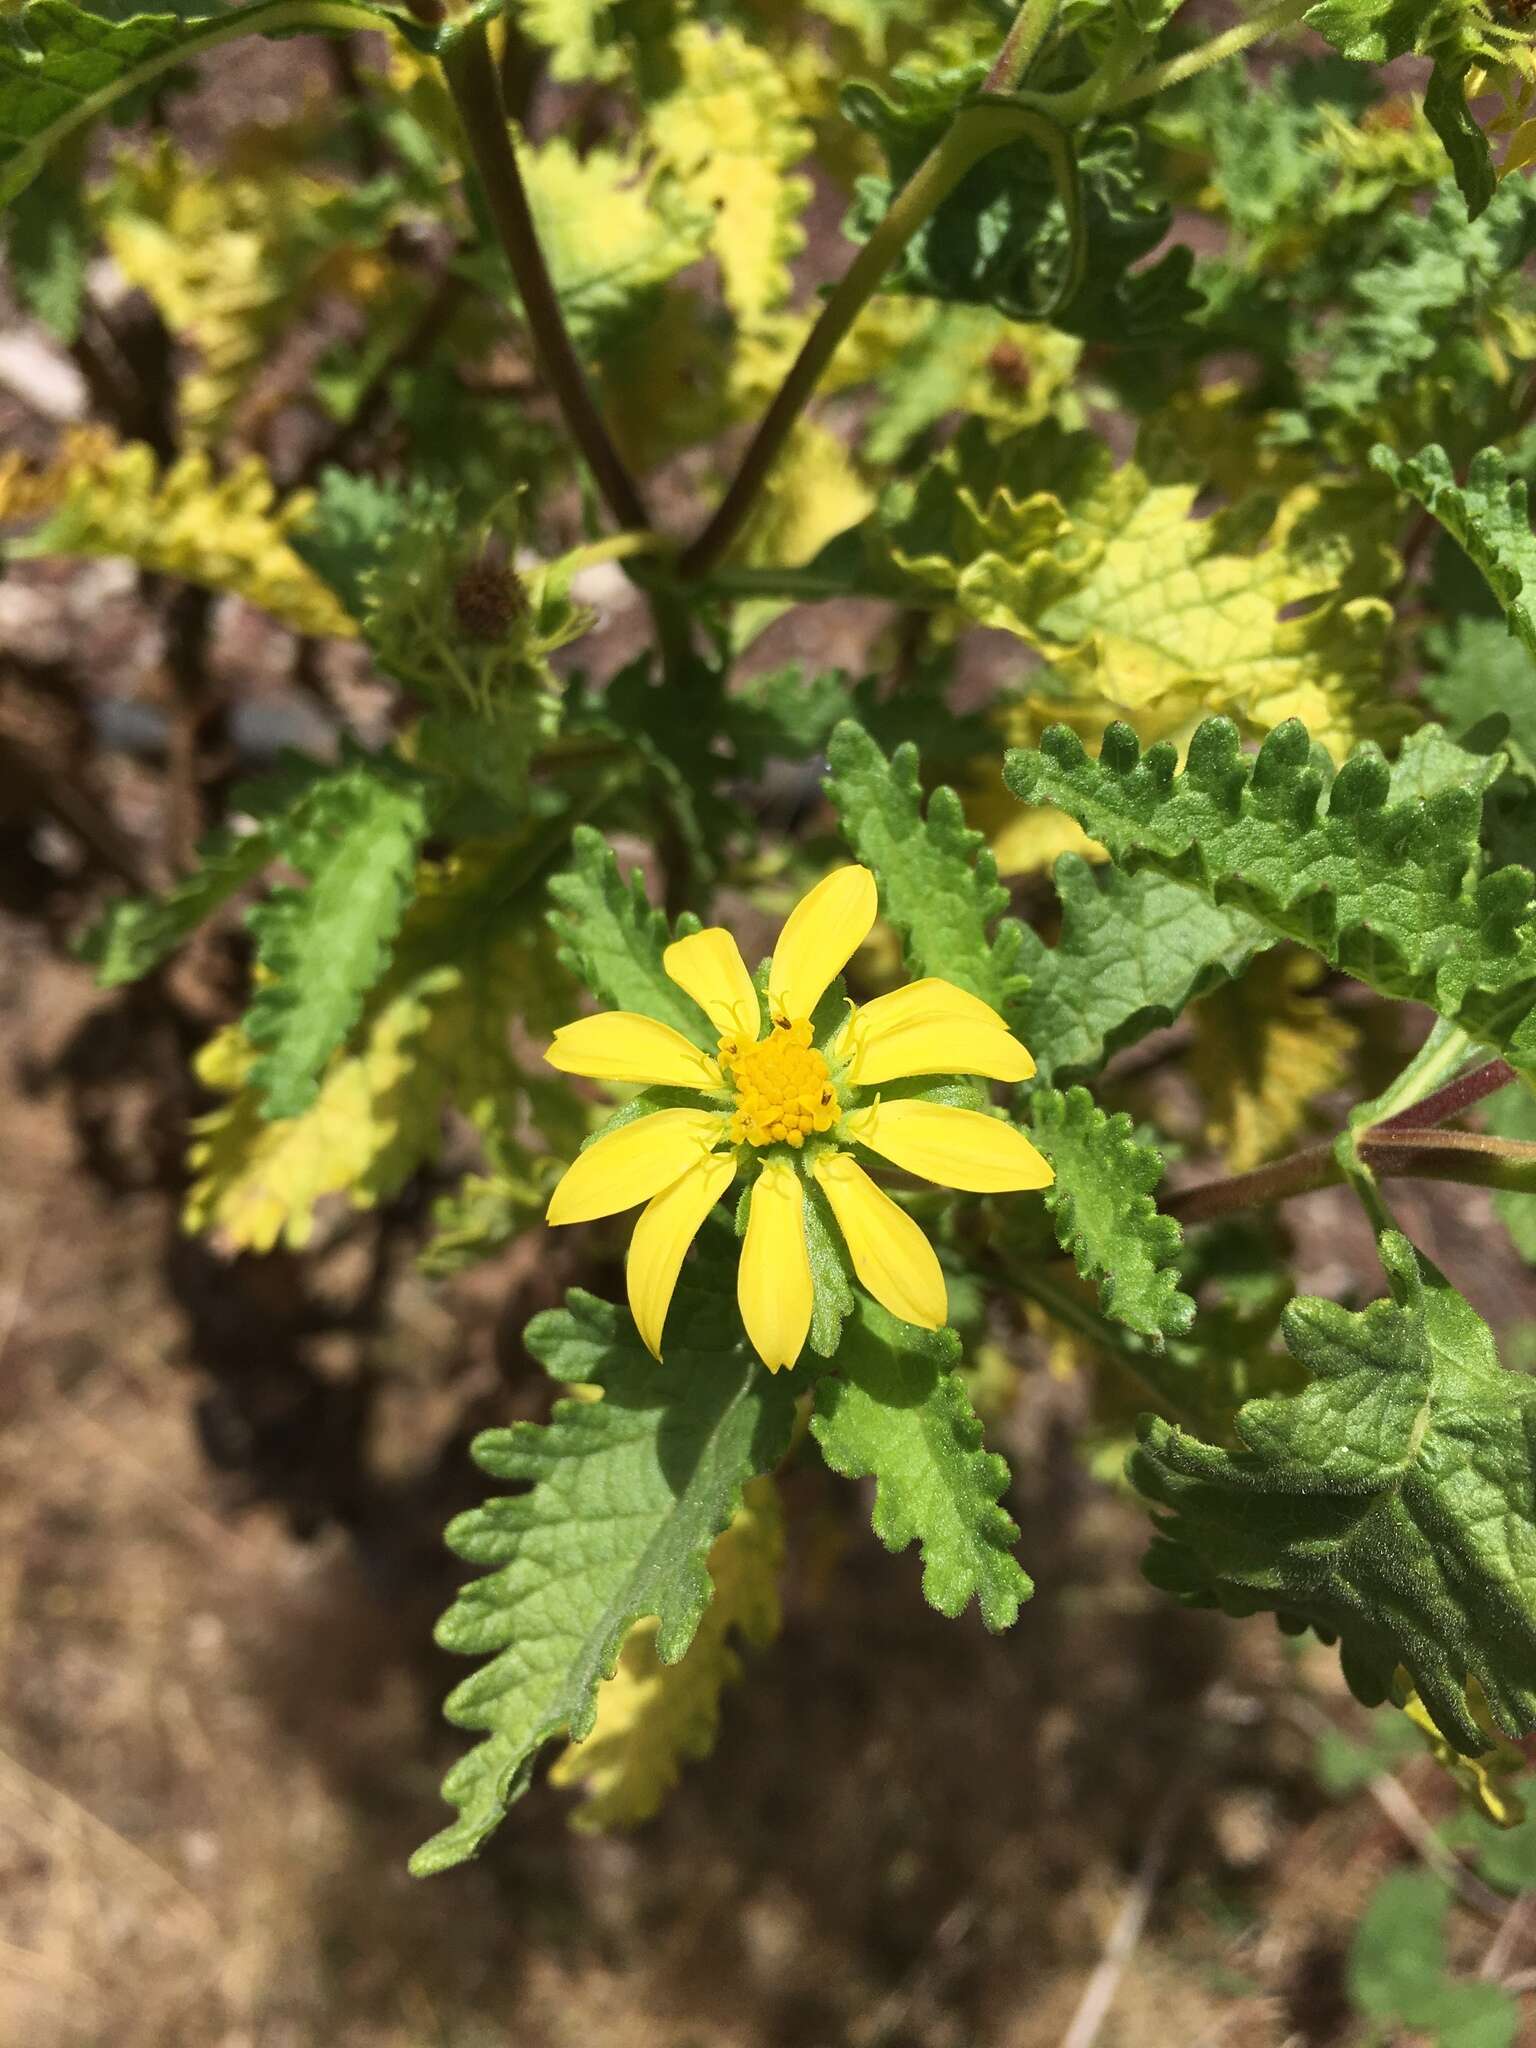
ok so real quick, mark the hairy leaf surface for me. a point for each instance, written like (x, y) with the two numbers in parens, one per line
(652, 1717)
(629, 1493)
(613, 937)
(1489, 517)
(1133, 951)
(1388, 1504)
(323, 947)
(897, 1411)
(1101, 1203)
(1395, 894)
(938, 881)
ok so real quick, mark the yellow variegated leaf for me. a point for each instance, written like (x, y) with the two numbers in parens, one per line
(1265, 1048)
(256, 1182)
(813, 492)
(577, 33)
(729, 134)
(652, 1717)
(608, 233)
(230, 257)
(1146, 610)
(225, 532)
(1484, 1780)
(434, 1035)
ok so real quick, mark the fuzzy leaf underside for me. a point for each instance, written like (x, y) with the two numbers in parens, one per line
(1394, 894)
(897, 1411)
(1388, 1504)
(1102, 1206)
(613, 937)
(938, 881)
(629, 1494)
(1134, 950)
(325, 946)
(62, 66)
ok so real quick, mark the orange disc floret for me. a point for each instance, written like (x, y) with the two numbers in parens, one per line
(783, 1088)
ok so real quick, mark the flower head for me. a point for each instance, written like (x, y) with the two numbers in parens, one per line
(791, 1111)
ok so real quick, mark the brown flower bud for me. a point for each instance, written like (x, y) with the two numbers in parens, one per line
(489, 598)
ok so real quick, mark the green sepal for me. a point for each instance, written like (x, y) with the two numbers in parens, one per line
(897, 1411)
(566, 1574)
(1388, 1504)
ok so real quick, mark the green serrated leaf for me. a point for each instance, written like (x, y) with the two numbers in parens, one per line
(1133, 951)
(1478, 672)
(612, 936)
(132, 936)
(62, 66)
(1488, 517)
(1399, 1968)
(897, 1411)
(938, 881)
(1389, 1503)
(1431, 282)
(323, 947)
(629, 1493)
(1104, 1213)
(351, 527)
(1002, 238)
(1396, 894)
(1445, 102)
(1430, 761)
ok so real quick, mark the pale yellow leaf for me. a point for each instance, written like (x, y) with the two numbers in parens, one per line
(729, 134)
(1266, 1047)
(227, 533)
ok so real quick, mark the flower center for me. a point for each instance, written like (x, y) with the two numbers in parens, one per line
(783, 1088)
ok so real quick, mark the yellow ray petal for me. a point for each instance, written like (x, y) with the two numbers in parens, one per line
(958, 1148)
(820, 936)
(667, 1227)
(890, 1254)
(773, 1281)
(633, 1163)
(709, 966)
(929, 1027)
(618, 1045)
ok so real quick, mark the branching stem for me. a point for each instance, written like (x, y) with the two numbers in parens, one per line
(471, 75)
(1406, 1145)
(976, 131)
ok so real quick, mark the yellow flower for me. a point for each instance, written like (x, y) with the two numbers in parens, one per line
(786, 1109)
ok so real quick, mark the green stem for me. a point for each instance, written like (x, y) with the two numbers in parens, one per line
(1465, 1156)
(975, 132)
(1032, 24)
(1106, 93)
(471, 76)
(1152, 1370)
(1147, 84)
